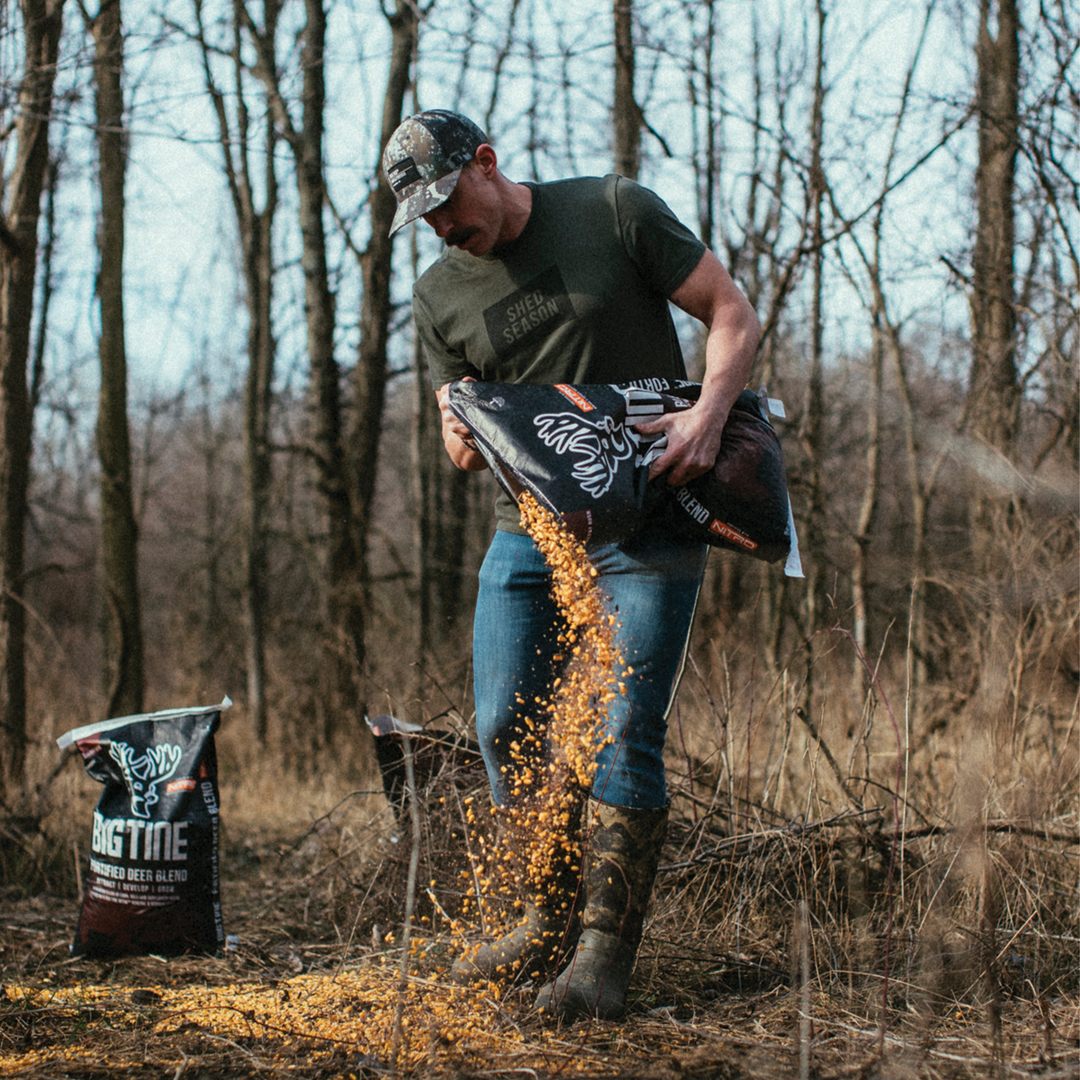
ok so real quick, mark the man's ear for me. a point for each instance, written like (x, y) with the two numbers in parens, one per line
(486, 159)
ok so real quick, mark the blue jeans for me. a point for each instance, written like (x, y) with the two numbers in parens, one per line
(652, 582)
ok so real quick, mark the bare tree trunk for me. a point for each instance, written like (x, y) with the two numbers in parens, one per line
(258, 472)
(453, 545)
(724, 580)
(342, 639)
(860, 586)
(210, 643)
(506, 50)
(441, 534)
(711, 180)
(994, 391)
(426, 469)
(919, 494)
(42, 20)
(439, 551)
(48, 251)
(763, 276)
(626, 114)
(369, 376)
(342, 617)
(119, 533)
(887, 344)
(813, 433)
(255, 228)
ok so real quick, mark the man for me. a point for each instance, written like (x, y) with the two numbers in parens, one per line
(569, 282)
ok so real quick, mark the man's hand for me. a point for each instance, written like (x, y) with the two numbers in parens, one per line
(456, 436)
(711, 296)
(693, 441)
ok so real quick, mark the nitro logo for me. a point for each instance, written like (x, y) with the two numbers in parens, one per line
(701, 515)
(732, 535)
(537, 309)
(142, 774)
(598, 446)
(580, 400)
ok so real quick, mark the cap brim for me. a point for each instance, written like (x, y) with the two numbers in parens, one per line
(424, 200)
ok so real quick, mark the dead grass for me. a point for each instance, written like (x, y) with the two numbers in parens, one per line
(854, 886)
(896, 981)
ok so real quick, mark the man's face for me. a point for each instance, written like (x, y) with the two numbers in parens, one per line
(466, 220)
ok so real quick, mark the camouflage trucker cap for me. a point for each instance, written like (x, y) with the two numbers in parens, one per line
(424, 159)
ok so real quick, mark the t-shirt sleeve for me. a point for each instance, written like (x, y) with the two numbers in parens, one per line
(662, 247)
(444, 363)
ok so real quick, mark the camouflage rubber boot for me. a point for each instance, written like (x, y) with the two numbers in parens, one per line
(547, 867)
(620, 866)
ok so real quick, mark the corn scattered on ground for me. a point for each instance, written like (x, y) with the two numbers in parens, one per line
(318, 1018)
(342, 1025)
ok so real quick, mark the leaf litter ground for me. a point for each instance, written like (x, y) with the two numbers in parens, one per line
(290, 1000)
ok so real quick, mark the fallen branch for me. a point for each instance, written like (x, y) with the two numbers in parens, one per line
(1072, 838)
(750, 841)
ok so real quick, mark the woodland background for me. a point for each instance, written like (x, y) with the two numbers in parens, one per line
(220, 473)
(220, 469)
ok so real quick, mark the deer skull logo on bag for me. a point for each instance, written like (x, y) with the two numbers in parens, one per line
(142, 774)
(598, 447)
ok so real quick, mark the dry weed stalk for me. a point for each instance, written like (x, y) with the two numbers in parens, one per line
(410, 901)
(883, 868)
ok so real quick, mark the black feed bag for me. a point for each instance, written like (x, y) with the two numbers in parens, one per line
(575, 449)
(152, 885)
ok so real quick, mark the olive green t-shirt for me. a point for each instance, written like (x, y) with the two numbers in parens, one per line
(581, 296)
